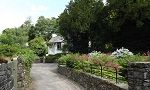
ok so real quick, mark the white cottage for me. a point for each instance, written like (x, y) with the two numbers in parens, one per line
(56, 43)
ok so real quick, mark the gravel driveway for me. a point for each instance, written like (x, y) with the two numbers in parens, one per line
(45, 77)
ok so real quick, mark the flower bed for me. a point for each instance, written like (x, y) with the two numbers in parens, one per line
(112, 66)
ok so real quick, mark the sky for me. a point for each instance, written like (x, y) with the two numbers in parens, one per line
(13, 13)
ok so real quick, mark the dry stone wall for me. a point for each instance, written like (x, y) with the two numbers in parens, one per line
(6, 77)
(139, 76)
(88, 81)
(12, 75)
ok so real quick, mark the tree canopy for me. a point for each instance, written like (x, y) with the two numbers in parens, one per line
(44, 28)
(38, 45)
(115, 24)
(75, 23)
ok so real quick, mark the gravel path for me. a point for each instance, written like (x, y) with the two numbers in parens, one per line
(45, 77)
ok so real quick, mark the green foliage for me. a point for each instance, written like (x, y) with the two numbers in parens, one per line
(148, 58)
(75, 24)
(126, 60)
(95, 54)
(27, 24)
(70, 63)
(38, 45)
(65, 59)
(50, 59)
(118, 23)
(79, 60)
(62, 60)
(109, 65)
(132, 19)
(65, 47)
(44, 28)
(105, 59)
(53, 58)
(100, 58)
(13, 36)
(13, 51)
(8, 50)
(13, 43)
(28, 56)
(123, 62)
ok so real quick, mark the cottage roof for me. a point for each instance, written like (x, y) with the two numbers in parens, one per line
(56, 39)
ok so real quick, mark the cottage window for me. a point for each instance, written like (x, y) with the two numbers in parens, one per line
(59, 46)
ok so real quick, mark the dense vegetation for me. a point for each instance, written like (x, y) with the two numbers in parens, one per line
(28, 40)
(43, 28)
(104, 65)
(38, 45)
(53, 58)
(13, 43)
(115, 24)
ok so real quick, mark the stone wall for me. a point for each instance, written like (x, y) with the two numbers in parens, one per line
(12, 75)
(88, 81)
(139, 76)
(6, 77)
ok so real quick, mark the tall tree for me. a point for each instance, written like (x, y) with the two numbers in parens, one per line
(75, 24)
(44, 27)
(118, 23)
(130, 21)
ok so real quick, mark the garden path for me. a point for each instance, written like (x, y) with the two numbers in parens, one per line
(45, 77)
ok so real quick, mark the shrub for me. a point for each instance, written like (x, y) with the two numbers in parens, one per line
(8, 50)
(123, 62)
(53, 58)
(124, 57)
(94, 54)
(67, 60)
(39, 46)
(28, 57)
(62, 60)
(108, 62)
(99, 58)
(148, 59)
(70, 63)
(80, 61)
(121, 53)
(50, 59)
(11, 51)
(126, 60)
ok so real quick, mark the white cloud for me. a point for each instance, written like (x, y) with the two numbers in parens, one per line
(14, 12)
(10, 19)
(37, 9)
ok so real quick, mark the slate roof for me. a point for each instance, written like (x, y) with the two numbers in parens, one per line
(56, 39)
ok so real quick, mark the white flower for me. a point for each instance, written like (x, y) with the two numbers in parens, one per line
(119, 53)
(94, 54)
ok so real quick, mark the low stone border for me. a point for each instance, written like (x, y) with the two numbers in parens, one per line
(88, 81)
